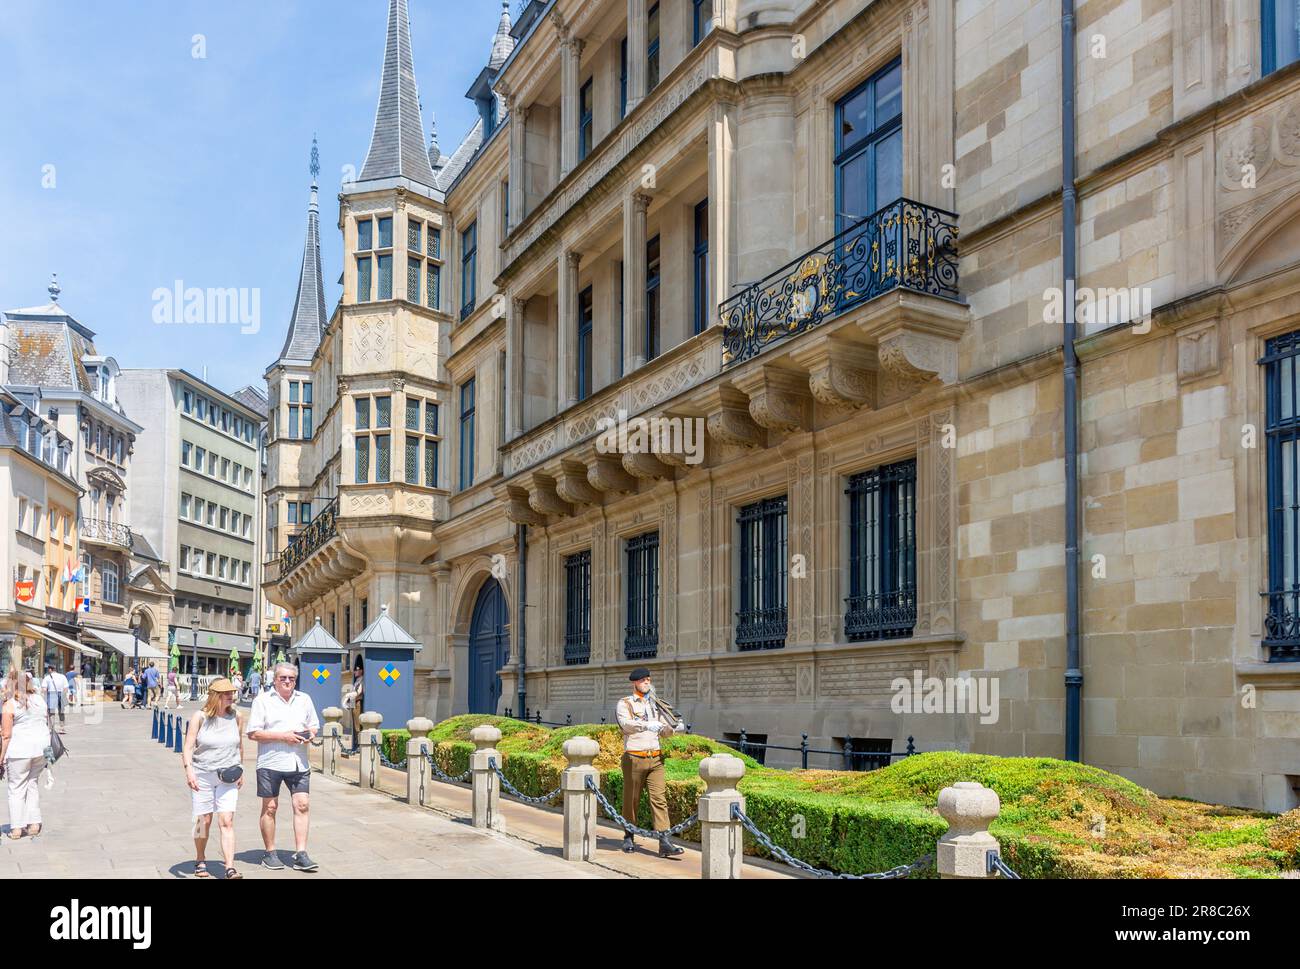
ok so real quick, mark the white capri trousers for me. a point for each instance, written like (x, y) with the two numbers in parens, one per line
(213, 797)
(23, 774)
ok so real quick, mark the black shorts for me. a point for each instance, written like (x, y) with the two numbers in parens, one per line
(268, 781)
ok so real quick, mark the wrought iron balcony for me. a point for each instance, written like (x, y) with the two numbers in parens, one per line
(109, 533)
(322, 528)
(905, 245)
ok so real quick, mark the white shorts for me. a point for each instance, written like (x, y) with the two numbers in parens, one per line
(213, 797)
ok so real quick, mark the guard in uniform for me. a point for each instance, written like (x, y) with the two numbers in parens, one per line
(643, 761)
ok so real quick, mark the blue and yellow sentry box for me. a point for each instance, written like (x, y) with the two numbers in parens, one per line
(319, 657)
(388, 653)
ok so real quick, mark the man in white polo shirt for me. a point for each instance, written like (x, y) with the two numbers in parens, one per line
(283, 721)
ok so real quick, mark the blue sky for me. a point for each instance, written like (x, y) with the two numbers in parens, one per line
(170, 167)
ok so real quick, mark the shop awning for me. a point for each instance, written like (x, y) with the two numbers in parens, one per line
(54, 637)
(213, 641)
(124, 643)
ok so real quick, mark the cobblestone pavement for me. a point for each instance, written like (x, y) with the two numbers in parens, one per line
(119, 808)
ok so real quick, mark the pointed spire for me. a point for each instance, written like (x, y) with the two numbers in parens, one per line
(435, 153)
(502, 43)
(54, 289)
(308, 319)
(396, 147)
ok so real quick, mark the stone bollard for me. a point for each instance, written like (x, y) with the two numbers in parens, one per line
(722, 839)
(417, 767)
(487, 789)
(968, 808)
(580, 809)
(331, 741)
(368, 748)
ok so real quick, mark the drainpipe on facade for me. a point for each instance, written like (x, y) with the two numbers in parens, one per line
(1073, 663)
(521, 553)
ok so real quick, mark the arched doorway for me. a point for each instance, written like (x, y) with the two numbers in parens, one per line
(489, 648)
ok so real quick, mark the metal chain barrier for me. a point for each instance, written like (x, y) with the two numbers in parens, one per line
(544, 799)
(631, 828)
(996, 864)
(443, 775)
(389, 763)
(779, 853)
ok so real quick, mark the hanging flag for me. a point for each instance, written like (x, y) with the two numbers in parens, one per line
(73, 575)
(83, 603)
(25, 591)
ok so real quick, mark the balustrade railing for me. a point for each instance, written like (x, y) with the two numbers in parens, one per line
(905, 245)
(322, 528)
(99, 530)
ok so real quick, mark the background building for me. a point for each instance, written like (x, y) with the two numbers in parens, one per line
(839, 239)
(196, 494)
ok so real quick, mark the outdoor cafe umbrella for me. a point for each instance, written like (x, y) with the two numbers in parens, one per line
(234, 660)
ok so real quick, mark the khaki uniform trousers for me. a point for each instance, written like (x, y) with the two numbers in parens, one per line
(645, 773)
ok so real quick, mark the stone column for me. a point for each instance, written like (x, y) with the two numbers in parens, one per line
(722, 839)
(722, 204)
(368, 749)
(580, 809)
(515, 369)
(487, 790)
(635, 209)
(570, 65)
(518, 138)
(567, 331)
(418, 774)
(332, 742)
(968, 808)
(636, 53)
(765, 153)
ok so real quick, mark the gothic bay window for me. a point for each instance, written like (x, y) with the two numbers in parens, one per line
(869, 147)
(577, 608)
(385, 266)
(300, 406)
(1279, 33)
(361, 424)
(413, 279)
(467, 434)
(468, 268)
(363, 279)
(365, 244)
(652, 48)
(1282, 451)
(383, 460)
(585, 119)
(641, 634)
(652, 299)
(701, 255)
(882, 553)
(584, 344)
(414, 237)
(762, 618)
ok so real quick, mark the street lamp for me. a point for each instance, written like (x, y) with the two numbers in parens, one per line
(194, 661)
(135, 662)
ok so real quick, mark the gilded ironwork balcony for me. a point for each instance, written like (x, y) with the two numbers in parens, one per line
(905, 245)
(106, 532)
(322, 528)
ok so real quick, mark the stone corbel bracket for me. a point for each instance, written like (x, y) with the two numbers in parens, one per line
(544, 499)
(729, 420)
(840, 373)
(571, 484)
(920, 356)
(518, 509)
(605, 473)
(778, 399)
(646, 465)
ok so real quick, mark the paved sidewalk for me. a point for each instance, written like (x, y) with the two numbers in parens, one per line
(120, 808)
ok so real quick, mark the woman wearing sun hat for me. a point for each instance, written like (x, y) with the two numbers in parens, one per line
(213, 762)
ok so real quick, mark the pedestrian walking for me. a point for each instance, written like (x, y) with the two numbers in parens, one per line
(254, 683)
(151, 680)
(239, 685)
(71, 676)
(128, 690)
(283, 722)
(213, 761)
(173, 690)
(54, 685)
(643, 760)
(358, 699)
(24, 735)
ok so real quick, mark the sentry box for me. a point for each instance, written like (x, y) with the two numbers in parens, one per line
(319, 657)
(388, 654)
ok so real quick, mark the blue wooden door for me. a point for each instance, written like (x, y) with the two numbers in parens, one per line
(489, 648)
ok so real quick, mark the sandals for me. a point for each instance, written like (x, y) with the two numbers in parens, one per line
(33, 830)
(201, 870)
(15, 834)
(232, 873)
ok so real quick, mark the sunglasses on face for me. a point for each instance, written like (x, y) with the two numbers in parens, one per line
(290, 679)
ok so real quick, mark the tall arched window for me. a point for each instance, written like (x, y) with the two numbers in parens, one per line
(112, 589)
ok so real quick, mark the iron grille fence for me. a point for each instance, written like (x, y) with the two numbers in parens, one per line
(904, 245)
(762, 620)
(882, 553)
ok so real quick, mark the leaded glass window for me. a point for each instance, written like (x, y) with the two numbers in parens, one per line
(363, 279)
(432, 285)
(386, 233)
(363, 413)
(363, 459)
(382, 459)
(412, 413)
(383, 411)
(385, 277)
(413, 280)
(414, 236)
(412, 467)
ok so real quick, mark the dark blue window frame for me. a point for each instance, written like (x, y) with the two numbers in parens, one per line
(585, 316)
(641, 634)
(763, 618)
(621, 318)
(879, 130)
(1270, 38)
(652, 49)
(468, 269)
(467, 434)
(701, 257)
(585, 119)
(1281, 361)
(700, 26)
(653, 299)
(577, 608)
(622, 79)
(882, 553)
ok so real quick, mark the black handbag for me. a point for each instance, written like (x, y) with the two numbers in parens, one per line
(55, 751)
(228, 775)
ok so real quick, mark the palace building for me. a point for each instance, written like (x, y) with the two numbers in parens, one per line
(798, 349)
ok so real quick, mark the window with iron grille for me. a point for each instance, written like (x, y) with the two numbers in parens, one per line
(641, 635)
(762, 618)
(882, 553)
(577, 608)
(865, 753)
(1282, 387)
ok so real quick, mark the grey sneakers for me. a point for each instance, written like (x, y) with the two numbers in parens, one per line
(302, 863)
